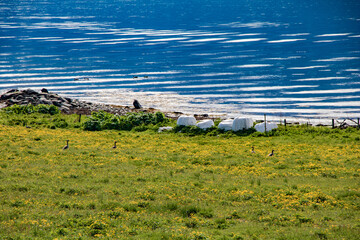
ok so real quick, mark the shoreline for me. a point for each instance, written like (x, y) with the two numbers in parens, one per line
(75, 106)
(190, 105)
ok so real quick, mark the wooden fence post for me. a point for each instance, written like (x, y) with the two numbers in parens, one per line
(333, 123)
(80, 117)
(265, 121)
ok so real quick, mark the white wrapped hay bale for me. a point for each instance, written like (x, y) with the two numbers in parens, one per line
(186, 121)
(163, 129)
(241, 123)
(226, 124)
(205, 124)
(269, 126)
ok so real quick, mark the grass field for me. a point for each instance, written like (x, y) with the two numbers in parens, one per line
(176, 186)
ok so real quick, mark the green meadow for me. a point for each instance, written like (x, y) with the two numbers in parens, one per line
(175, 185)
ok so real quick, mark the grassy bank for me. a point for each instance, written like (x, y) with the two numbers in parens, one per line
(176, 185)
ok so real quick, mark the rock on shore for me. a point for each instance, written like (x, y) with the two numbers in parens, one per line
(65, 104)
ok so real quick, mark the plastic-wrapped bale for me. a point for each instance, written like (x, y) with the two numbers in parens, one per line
(186, 121)
(162, 129)
(269, 126)
(205, 124)
(226, 124)
(241, 123)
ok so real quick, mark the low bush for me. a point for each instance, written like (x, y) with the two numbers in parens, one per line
(212, 131)
(29, 109)
(191, 130)
(139, 121)
(92, 125)
(60, 122)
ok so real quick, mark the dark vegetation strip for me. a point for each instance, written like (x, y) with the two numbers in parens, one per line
(51, 117)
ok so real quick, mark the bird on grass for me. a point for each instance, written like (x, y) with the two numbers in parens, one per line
(271, 154)
(114, 145)
(66, 146)
(252, 150)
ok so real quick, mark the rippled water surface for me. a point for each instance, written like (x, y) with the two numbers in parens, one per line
(294, 58)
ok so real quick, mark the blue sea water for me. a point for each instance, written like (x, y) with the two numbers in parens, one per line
(294, 58)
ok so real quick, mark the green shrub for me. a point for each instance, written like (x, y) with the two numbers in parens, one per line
(212, 131)
(92, 125)
(60, 122)
(47, 109)
(19, 109)
(160, 117)
(193, 130)
(29, 109)
(138, 121)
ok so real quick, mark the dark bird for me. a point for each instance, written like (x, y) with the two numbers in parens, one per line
(135, 76)
(66, 146)
(252, 150)
(271, 154)
(136, 104)
(114, 145)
